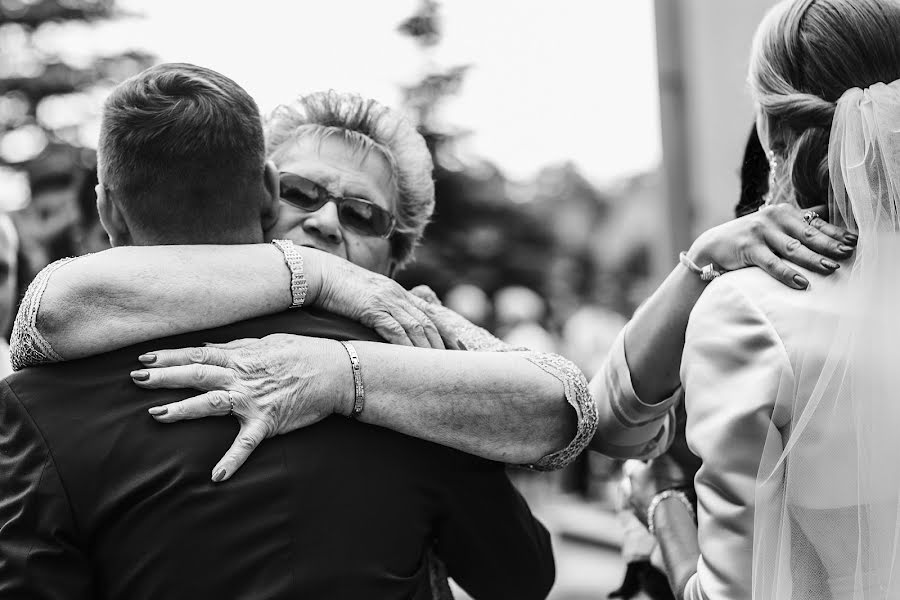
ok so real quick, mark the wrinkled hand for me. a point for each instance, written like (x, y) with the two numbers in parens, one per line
(764, 238)
(277, 384)
(645, 480)
(380, 303)
(423, 292)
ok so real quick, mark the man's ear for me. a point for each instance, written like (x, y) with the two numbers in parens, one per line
(112, 219)
(271, 204)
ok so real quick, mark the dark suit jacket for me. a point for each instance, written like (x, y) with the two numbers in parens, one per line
(97, 500)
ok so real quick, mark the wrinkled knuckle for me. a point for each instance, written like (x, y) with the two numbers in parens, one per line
(198, 355)
(395, 327)
(246, 442)
(757, 228)
(232, 376)
(809, 232)
(203, 374)
(771, 263)
(792, 246)
(219, 401)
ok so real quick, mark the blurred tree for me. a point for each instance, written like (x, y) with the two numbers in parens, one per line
(479, 235)
(50, 98)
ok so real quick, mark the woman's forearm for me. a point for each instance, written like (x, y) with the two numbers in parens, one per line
(125, 295)
(498, 406)
(654, 338)
(676, 533)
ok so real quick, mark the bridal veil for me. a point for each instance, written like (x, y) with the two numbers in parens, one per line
(827, 518)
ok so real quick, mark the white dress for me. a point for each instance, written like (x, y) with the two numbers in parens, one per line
(747, 339)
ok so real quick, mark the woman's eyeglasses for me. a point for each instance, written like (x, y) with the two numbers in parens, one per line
(362, 216)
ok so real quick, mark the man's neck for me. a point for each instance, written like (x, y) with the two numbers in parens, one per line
(250, 235)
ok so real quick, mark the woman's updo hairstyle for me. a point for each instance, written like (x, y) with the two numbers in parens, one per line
(806, 54)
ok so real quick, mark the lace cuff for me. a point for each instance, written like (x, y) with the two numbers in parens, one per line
(27, 346)
(578, 395)
(574, 382)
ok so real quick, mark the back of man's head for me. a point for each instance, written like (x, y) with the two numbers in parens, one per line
(181, 159)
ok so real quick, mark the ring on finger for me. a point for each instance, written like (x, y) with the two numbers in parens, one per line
(810, 216)
(231, 400)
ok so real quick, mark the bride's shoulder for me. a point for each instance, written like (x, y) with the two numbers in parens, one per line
(744, 285)
(752, 289)
(761, 288)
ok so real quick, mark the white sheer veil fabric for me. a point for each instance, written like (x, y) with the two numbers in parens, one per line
(827, 511)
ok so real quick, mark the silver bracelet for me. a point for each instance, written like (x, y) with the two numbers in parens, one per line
(294, 262)
(663, 495)
(707, 273)
(359, 400)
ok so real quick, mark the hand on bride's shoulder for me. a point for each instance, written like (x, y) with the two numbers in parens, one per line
(771, 239)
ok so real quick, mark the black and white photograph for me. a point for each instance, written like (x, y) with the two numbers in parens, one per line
(449, 299)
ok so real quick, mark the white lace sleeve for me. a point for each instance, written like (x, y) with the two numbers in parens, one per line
(477, 339)
(27, 346)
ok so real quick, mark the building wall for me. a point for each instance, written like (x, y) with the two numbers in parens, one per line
(703, 47)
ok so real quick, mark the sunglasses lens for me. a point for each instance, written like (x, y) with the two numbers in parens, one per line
(300, 192)
(365, 217)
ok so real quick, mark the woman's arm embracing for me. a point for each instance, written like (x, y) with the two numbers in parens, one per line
(121, 296)
(565, 444)
(125, 295)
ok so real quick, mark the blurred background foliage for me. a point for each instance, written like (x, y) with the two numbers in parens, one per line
(50, 97)
(557, 234)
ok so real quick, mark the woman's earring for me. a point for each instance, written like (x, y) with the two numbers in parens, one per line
(773, 168)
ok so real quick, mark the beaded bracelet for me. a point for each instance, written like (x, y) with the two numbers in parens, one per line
(359, 400)
(294, 262)
(663, 495)
(707, 273)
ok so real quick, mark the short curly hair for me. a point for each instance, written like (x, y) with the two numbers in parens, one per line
(368, 126)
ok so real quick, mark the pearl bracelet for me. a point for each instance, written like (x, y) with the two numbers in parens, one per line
(663, 495)
(707, 273)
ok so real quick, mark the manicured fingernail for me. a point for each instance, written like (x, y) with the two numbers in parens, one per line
(845, 249)
(801, 281)
(219, 475)
(157, 411)
(851, 238)
(829, 264)
(147, 358)
(140, 375)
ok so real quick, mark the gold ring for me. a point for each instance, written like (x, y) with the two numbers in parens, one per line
(231, 399)
(810, 216)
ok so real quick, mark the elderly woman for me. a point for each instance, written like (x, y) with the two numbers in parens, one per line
(355, 181)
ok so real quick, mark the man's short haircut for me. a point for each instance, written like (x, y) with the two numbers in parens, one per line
(182, 149)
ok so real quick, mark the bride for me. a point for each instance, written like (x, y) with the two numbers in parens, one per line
(792, 396)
